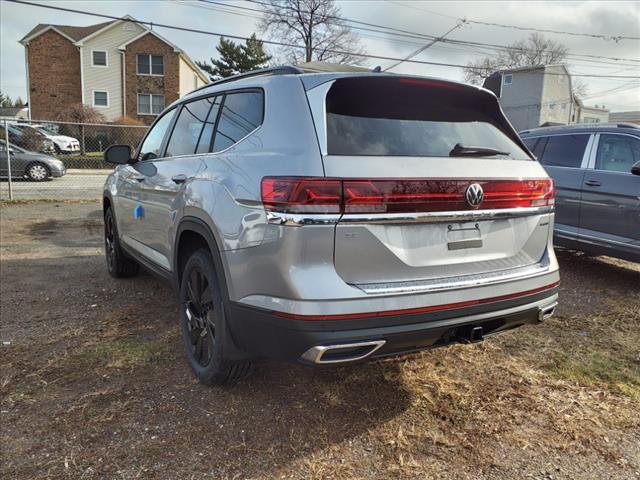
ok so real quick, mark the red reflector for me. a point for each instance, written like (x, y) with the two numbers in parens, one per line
(328, 195)
(410, 311)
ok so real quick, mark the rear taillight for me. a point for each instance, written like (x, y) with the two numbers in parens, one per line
(302, 195)
(331, 195)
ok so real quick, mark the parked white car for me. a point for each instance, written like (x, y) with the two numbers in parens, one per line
(63, 143)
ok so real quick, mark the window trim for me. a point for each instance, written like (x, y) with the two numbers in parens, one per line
(586, 156)
(106, 58)
(594, 152)
(93, 98)
(163, 144)
(150, 95)
(150, 74)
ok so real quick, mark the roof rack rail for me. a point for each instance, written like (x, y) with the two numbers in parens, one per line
(280, 70)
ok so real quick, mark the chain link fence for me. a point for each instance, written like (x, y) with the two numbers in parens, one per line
(58, 160)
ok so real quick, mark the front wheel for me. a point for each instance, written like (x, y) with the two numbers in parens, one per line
(38, 172)
(203, 323)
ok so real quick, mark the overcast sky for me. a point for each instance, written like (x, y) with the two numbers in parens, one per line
(434, 18)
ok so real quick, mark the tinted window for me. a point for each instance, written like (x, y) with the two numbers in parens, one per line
(564, 150)
(617, 153)
(204, 144)
(536, 145)
(241, 114)
(411, 117)
(152, 144)
(186, 133)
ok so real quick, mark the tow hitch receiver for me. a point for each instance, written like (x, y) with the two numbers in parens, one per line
(470, 334)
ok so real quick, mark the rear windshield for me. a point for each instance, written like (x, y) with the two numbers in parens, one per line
(411, 117)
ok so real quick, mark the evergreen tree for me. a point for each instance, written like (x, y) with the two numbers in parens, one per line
(236, 58)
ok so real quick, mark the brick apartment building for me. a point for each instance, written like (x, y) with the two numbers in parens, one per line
(120, 68)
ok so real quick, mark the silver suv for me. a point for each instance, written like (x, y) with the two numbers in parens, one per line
(326, 218)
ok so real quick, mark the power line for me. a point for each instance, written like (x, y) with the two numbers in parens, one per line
(283, 44)
(615, 38)
(408, 33)
(415, 36)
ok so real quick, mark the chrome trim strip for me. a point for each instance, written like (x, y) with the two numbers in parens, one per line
(314, 354)
(439, 217)
(453, 283)
(299, 219)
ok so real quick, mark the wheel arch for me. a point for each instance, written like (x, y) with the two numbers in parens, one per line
(193, 233)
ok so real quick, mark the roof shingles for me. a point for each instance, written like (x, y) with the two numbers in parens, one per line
(76, 33)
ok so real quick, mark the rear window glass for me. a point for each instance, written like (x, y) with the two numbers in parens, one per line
(564, 151)
(410, 117)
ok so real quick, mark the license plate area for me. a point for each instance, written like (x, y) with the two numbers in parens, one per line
(462, 236)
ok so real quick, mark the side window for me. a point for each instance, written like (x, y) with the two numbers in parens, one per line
(617, 153)
(530, 143)
(204, 144)
(150, 148)
(564, 150)
(189, 127)
(241, 114)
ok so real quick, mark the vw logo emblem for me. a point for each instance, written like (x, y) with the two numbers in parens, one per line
(474, 195)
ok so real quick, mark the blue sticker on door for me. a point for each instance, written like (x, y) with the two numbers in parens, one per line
(138, 212)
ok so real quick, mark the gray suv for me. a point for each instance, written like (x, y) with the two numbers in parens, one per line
(326, 218)
(596, 170)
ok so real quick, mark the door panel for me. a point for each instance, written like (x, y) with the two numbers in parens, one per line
(611, 194)
(564, 157)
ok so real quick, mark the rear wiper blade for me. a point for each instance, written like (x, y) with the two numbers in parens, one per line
(461, 151)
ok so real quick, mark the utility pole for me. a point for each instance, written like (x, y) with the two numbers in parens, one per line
(428, 45)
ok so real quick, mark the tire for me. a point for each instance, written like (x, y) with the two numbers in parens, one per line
(203, 321)
(119, 264)
(38, 172)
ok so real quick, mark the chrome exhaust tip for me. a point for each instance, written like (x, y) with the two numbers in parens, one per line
(546, 312)
(342, 353)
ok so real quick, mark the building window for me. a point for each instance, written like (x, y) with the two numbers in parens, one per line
(100, 98)
(98, 58)
(150, 64)
(149, 104)
(508, 79)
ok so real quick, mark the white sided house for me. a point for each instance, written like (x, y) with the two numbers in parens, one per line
(120, 68)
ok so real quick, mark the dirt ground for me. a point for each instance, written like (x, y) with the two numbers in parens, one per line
(94, 383)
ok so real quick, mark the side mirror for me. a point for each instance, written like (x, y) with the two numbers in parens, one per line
(635, 169)
(118, 154)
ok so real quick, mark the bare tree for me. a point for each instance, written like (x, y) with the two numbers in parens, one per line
(314, 24)
(534, 51)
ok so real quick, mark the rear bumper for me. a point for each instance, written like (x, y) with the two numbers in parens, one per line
(262, 333)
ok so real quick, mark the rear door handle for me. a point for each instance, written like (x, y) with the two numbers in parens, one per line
(181, 178)
(593, 183)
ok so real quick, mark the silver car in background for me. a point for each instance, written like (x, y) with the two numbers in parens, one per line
(326, 218)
